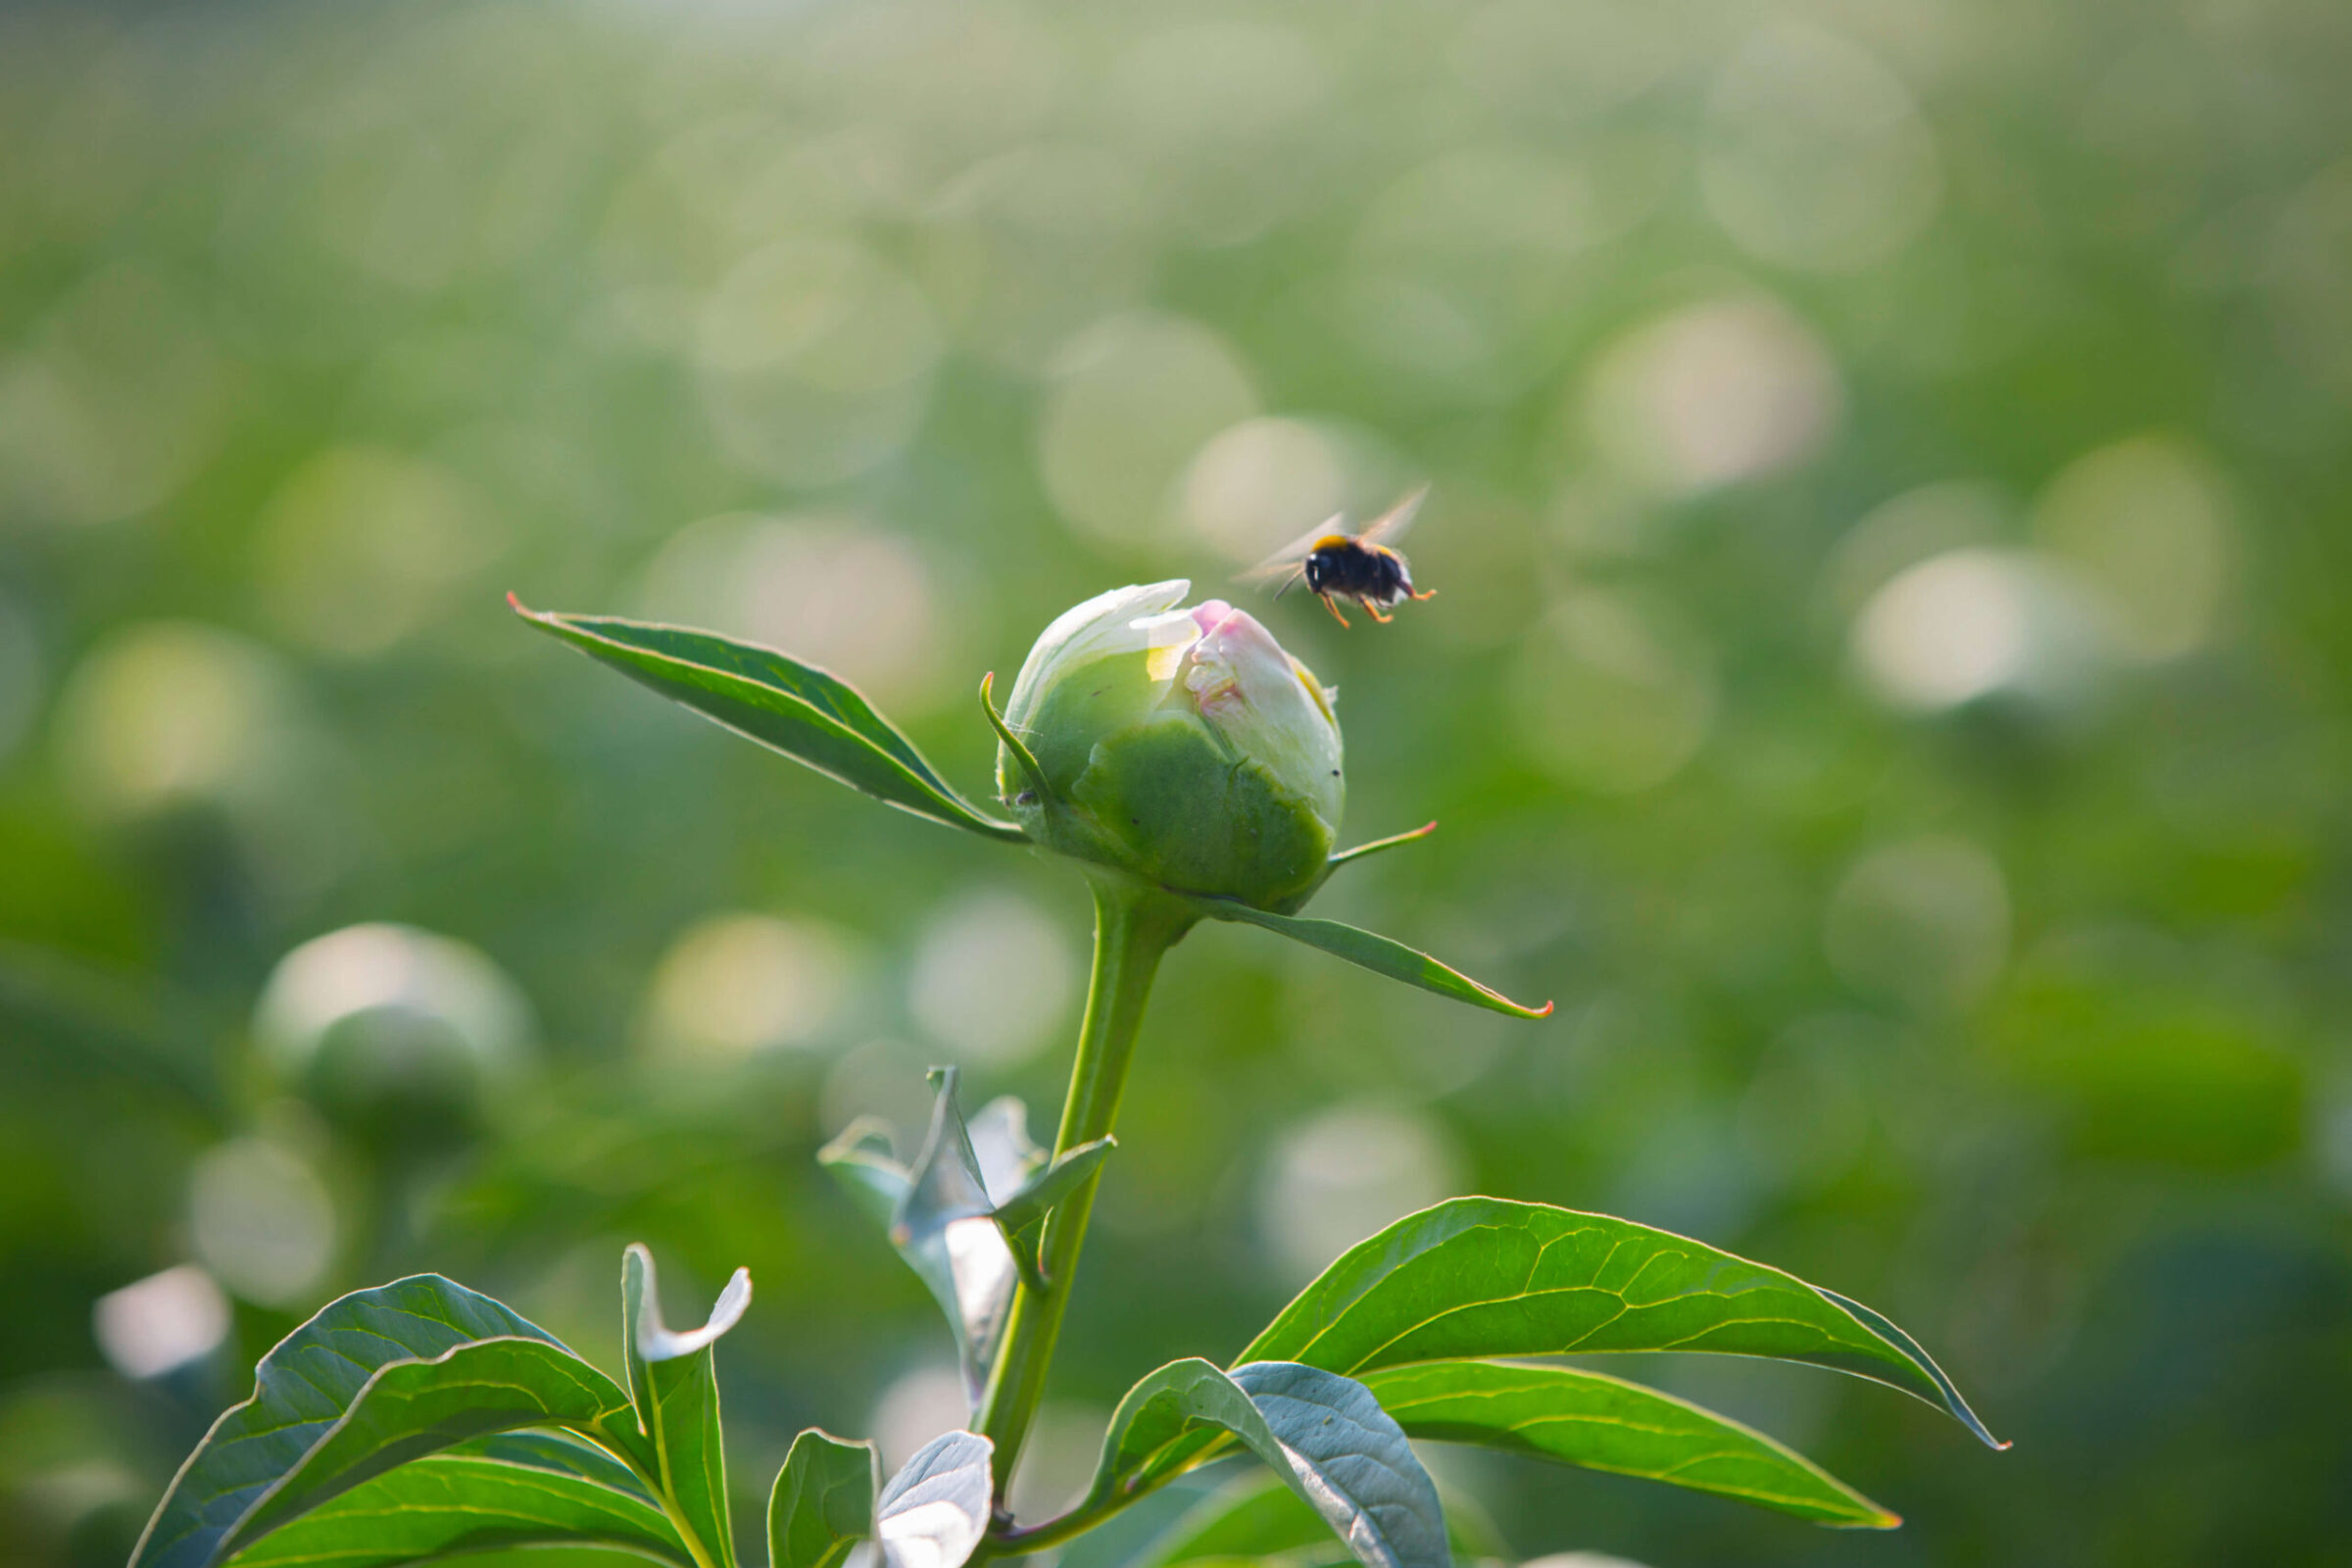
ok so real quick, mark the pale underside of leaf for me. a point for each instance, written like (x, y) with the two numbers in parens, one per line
(936, 1508)
(1322, 1434)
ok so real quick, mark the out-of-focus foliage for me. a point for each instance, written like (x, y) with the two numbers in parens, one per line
(1889, 682)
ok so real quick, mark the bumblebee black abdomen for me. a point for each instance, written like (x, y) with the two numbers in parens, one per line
(1372, 573)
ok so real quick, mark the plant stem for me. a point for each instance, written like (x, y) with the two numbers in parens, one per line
(1132, 927)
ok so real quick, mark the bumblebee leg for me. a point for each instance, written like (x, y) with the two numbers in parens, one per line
(1373, 610)
(1426, 593)
(1333, 606)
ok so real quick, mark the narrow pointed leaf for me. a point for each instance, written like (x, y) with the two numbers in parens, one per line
(1050, 1186)
(936, 1509)
(411, 1408)
(674, 1385)
(797, 709)
(1374, 847)
(1603, 1423)
(823, 1501)
(946, 1229)
(1479, 1277)
(447, 1505)
(1324, 1434)
(301, 1389)
(1372, 951)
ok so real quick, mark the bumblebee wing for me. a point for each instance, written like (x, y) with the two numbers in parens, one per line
(1390, 525)
(1285, 561)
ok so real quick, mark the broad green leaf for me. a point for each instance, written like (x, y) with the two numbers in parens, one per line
(1481, 1277)
(411, 1408)
(936, 1509)
(301, 1390)
(1324, 1434)
(675, 1388)
(1375, 953)
(1602, 1423)
(448, 1503)
(795, 709)
(566, 1454)
(823, 1501)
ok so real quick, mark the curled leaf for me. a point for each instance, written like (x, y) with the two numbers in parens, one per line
(1324, 1434)
(936, 1508)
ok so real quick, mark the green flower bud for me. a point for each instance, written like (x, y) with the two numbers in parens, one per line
(1182, 747)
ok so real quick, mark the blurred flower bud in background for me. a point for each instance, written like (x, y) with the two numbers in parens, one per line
(1185, 747)
(396, 1034)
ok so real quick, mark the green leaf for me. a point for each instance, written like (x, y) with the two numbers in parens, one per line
(675, 1386)
(1038, 1198)
(795, 709)
(411, 1408)
(1324, 1434)
(1483, 1277)
(1602, 1423)
(1372, 951)
(448, 1503)
(823, 1501)
(936, 1509)
(301, 1389)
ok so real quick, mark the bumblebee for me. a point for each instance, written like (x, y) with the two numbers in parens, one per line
(1336, 564)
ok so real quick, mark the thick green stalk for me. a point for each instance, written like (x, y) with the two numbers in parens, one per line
(1133, 926)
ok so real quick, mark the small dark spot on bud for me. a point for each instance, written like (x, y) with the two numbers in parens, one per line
(1334, 773)
(1137, 820)
(1025, 798)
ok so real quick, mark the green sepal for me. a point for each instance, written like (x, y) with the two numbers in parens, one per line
(1344, 856)
(1372, 951)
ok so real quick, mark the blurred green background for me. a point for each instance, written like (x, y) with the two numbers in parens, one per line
(1890, 682)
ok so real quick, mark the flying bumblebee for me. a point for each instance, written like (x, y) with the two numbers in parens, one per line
(1336, 564)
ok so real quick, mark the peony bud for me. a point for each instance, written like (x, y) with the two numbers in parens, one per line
(1182, 747)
